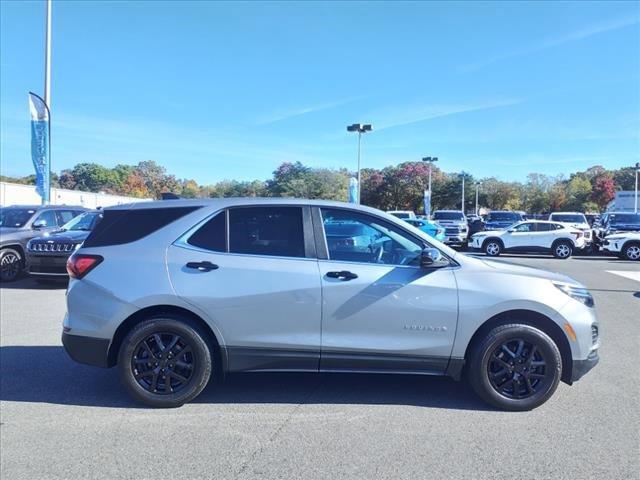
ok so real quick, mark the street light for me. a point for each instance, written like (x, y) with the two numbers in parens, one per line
(478, 184)
(462, 174)
(430, 161)
(360, 128)
(636, 197)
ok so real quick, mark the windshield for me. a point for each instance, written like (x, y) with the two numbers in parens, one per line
(624, 218)
(15, 217)
(86, 221)
(448, 216)
(503, 217)
(568, 218)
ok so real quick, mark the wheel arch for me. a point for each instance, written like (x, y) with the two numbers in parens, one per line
(141, 315)
(17, 247)
(536, 320)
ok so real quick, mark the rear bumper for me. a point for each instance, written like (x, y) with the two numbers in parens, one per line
(581, 367)
(87, 350)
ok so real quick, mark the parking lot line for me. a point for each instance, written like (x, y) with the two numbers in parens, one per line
(631, 275)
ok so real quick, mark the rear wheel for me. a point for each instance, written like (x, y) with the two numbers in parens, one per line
(165, 362)
(515, 367)
(631, 251)
(562, 249)
(11, 264)
(492, 248)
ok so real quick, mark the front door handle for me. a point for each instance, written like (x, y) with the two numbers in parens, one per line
(202, 266)
(342, 275)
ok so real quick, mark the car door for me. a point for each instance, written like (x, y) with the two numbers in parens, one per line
(380, 310)
(519, 236)
(253, 272)
(542, 237)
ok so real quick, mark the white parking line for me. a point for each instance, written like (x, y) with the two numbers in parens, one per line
(631, 275)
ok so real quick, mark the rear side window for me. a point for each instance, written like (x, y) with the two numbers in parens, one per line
(273, 231)
(544, 227)
(124, 226)
(212, 235)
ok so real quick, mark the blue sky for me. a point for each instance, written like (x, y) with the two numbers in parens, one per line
(229, 90)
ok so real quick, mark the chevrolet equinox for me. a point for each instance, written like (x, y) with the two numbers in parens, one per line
(176, 292)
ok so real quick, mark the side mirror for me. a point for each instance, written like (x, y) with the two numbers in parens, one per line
(39, 224)
(432, 258)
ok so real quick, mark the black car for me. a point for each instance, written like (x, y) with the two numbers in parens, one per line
(47, 255)
(612, 222)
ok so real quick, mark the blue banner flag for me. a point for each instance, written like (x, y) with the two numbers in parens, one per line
(427, 202)
(353, 190)
(40, 145)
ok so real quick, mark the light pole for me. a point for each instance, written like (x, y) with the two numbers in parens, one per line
(430, 161)
(635, 210)
(477, 189)
(360, 128)
(462, 175)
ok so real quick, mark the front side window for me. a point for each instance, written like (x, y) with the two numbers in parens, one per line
(275, 231)
(48, 217)
(523, 227)
(356, 237)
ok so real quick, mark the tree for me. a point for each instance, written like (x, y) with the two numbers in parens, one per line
(603, 191)
(578, 192)
(92, 177)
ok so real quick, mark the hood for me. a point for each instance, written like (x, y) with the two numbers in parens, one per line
(70, 236)
(509, 268)
(619, 236)
(14, 234)
(627, 227)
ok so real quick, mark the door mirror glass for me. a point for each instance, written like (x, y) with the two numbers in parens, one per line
(432, 258)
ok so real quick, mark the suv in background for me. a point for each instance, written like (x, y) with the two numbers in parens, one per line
(501, 219)
(199, 288)
(47, 255)
(560, 239)
(456, 228)
(625, 245)
(576, 220)
(19, 224)
(614, 222)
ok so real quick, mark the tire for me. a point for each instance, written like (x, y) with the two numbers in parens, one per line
(631, 251)
(179, 377)
(509, 390)
(11, 264)
(562, 249)
(492, 247)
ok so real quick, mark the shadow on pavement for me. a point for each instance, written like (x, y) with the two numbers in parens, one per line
(30, 283)
(44, 374)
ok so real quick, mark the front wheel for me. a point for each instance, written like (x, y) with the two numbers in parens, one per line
(631, 251)
(562, 250)
(492, 248)
(164, 362)
(515, 367)
(11, 264)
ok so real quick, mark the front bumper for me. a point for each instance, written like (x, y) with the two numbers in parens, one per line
(455, 239)
(87, 350)
(47, 265)
(581, 367)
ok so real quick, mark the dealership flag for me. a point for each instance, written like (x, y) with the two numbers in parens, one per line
(353, 190)
(40, 144)
(427, 202)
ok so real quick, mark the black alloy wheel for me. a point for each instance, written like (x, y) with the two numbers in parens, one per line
(10, 265)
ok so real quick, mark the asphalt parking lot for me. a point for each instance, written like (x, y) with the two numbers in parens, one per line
(64, 420)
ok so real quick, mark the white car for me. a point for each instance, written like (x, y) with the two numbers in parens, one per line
(625, 245)
(574, 219)
(559, 239)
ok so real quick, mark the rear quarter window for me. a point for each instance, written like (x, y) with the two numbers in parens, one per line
(118, 227)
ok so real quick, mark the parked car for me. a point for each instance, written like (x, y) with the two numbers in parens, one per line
(403, 214)
(19, 224)
(433, 229)
(625, 245)
(501, 219)
(558, 239)
(456, 229)
(47, 255)
(613, 222)
(196, 288)
(576, 220)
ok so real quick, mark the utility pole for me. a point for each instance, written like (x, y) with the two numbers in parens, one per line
(47, 83)
(477, 189)
(462, 175)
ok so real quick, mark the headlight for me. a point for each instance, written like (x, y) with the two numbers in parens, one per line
(577, 293)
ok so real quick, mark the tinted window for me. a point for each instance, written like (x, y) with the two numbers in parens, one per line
(544, 227)
(123, 226)
(266, 231)
(503, 217)
(568, 218)
(15, 217)
(49, 217)
(212, 235)
(378, 241)
(448, 216)
(65, 215)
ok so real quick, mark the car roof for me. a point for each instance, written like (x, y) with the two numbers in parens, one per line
(566, 213)
(40, 207)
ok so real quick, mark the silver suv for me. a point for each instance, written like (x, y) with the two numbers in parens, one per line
(199, 288)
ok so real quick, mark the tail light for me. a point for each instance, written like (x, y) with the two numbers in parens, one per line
(78, 265)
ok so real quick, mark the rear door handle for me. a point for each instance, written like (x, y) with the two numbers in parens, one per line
(342, 275)
(202, 266)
